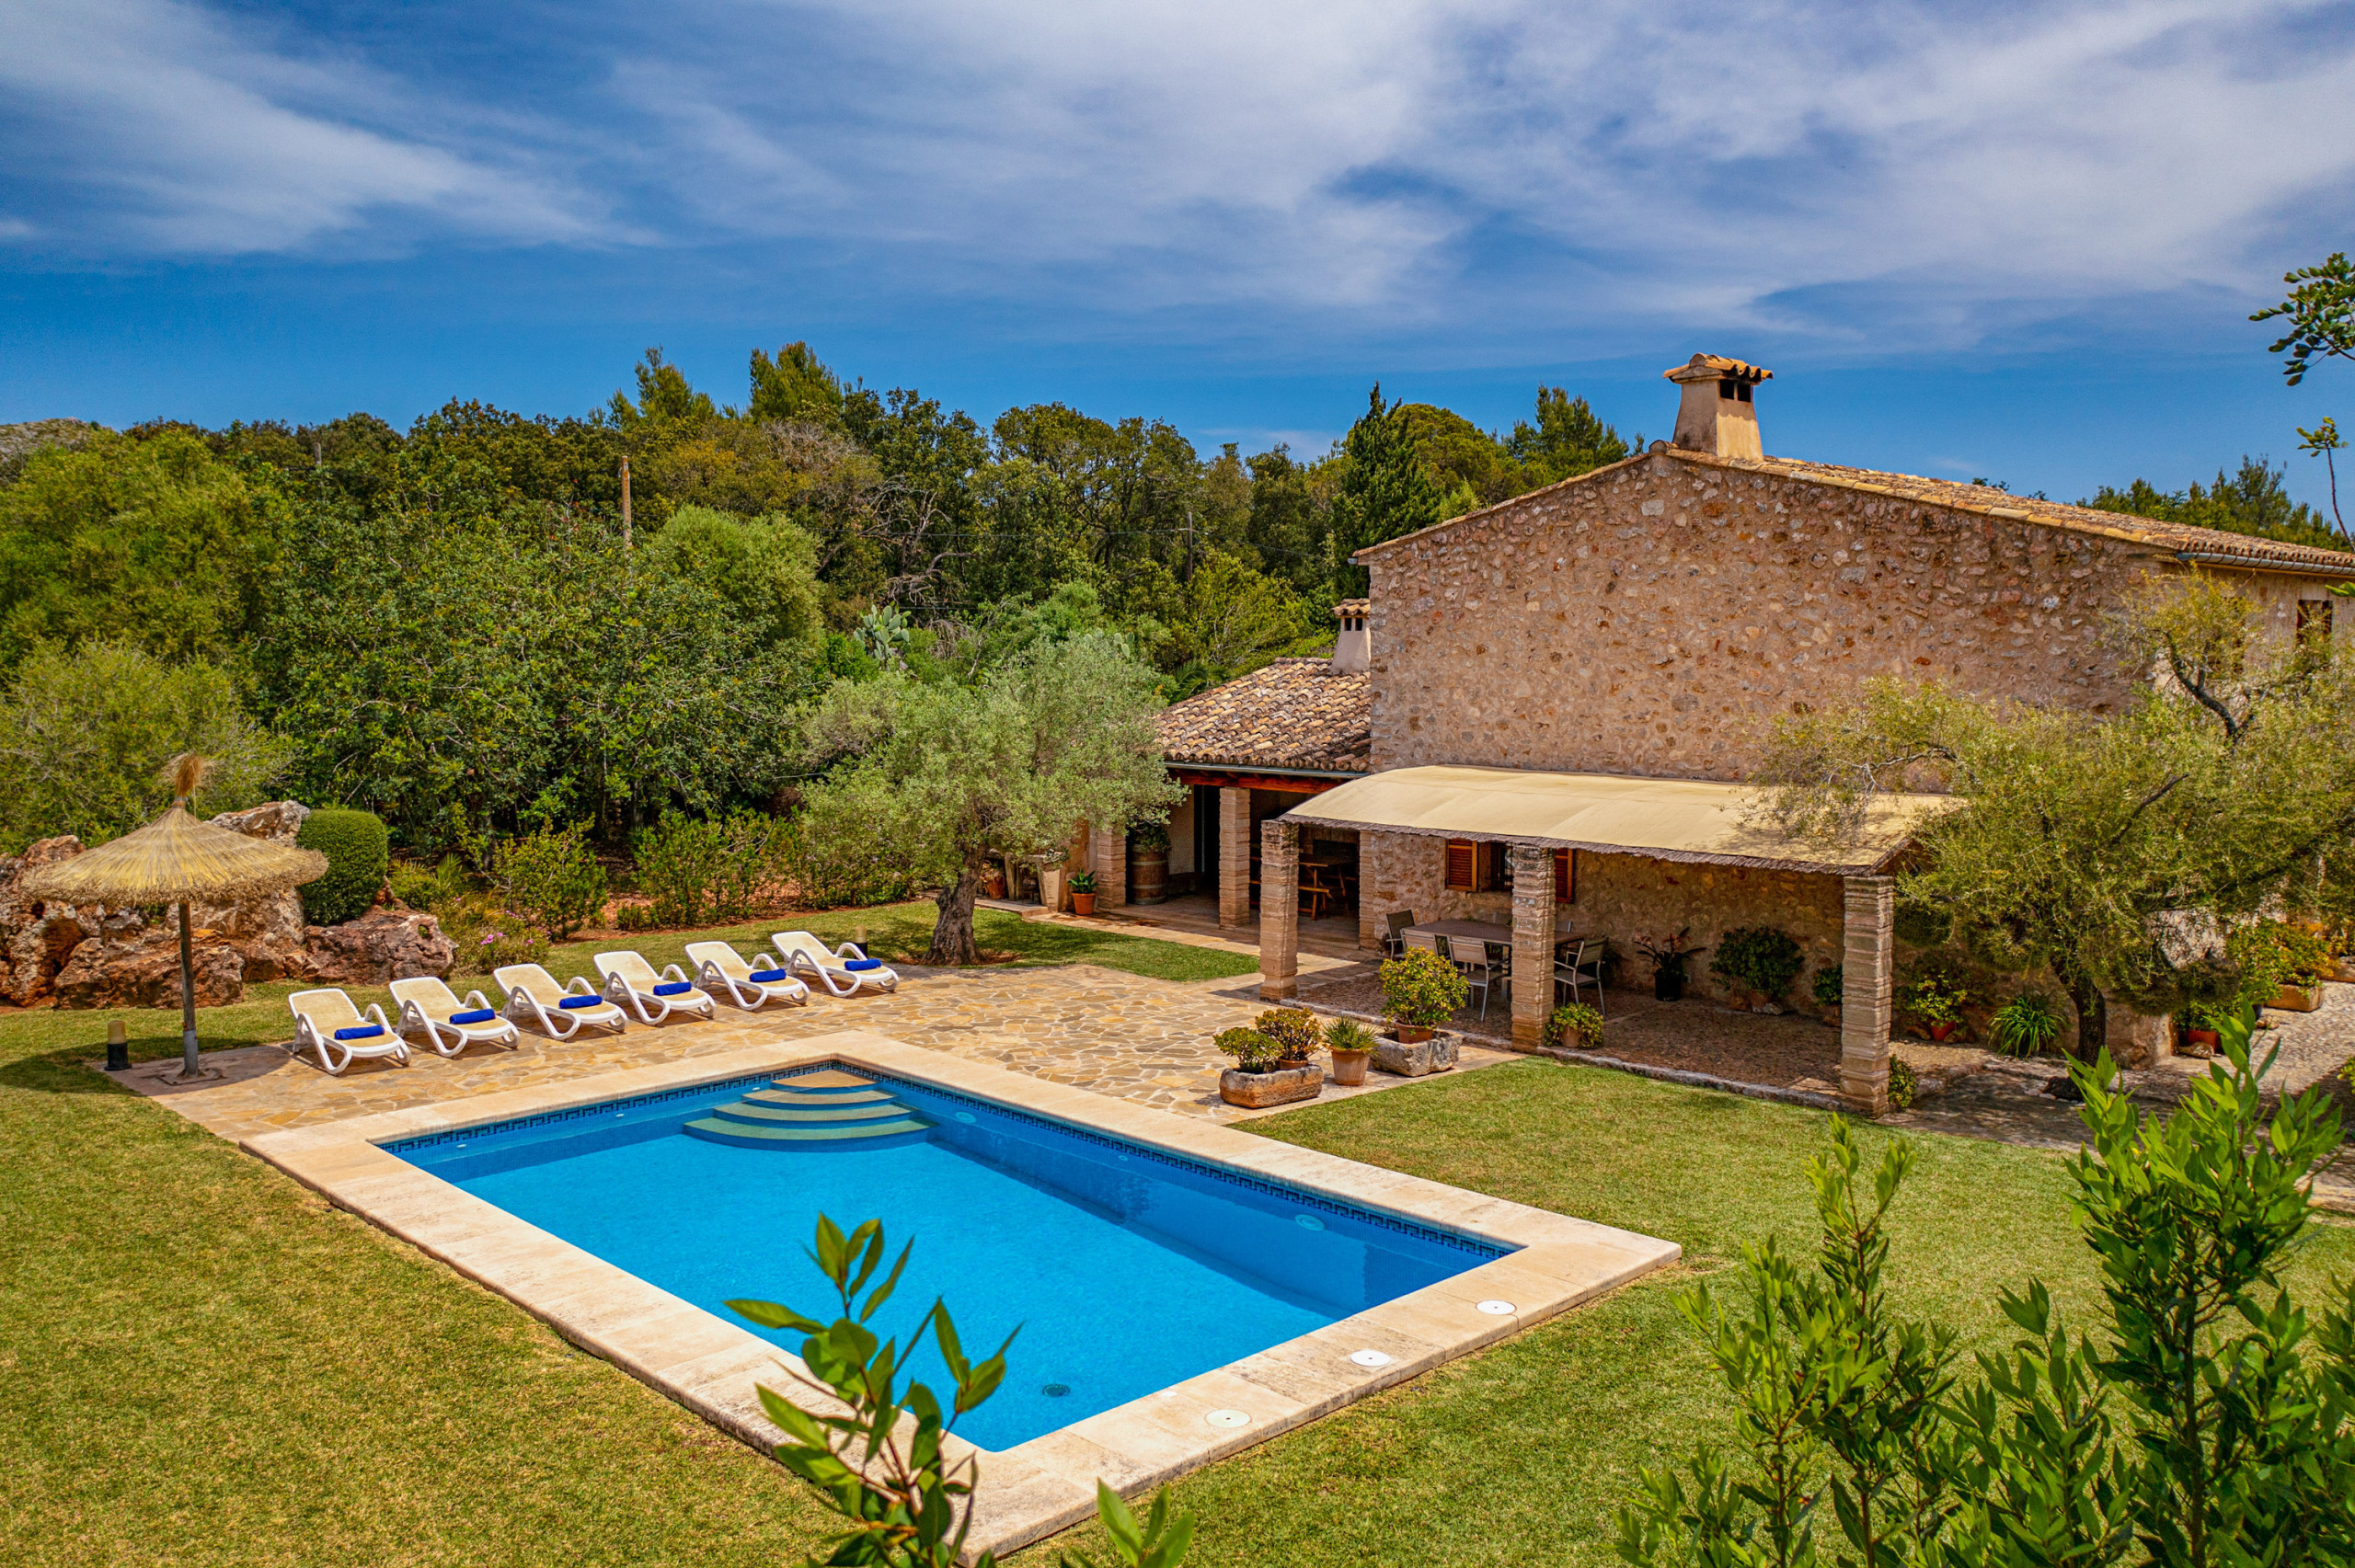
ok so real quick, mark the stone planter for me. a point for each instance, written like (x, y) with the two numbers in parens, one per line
(1256, 1091)
(2340, 969)
(1349, 1067)
(1418, 1058)
(2297, 999)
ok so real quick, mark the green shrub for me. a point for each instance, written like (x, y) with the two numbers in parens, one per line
(437, 889)
(1252, 1051)
(678, 862)
(1349, 1034)
(1826, 986)
(2027, 1025)
(494, 948)
(554, 880)
(1918, 925)
(2271, 954)
(1933, 996)
(634, 917)
(827, 873)
(753, 850)
(359, 852)
(1421, 990)
(1150, 835)
(1761, 959)
(1903, 1086)
(1292, 1028)
(1577, 1020)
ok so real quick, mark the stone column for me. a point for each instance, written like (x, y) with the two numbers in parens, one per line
(1108, 857)
(1868, 966)
(1533, 943)
(1279, 909)
(1370, 910)
(1234, 858)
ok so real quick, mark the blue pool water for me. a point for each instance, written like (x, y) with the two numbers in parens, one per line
(1127, 1269)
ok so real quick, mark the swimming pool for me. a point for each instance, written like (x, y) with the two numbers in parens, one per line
(1128, 1268)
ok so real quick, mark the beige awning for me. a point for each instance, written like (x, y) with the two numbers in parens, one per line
(1686, 820)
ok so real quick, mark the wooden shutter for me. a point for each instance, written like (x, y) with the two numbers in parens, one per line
(1566, 886)
(1462, 865)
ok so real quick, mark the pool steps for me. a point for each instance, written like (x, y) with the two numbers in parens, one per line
(817, 1112)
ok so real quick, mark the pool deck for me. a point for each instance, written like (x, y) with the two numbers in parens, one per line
(714, 1366)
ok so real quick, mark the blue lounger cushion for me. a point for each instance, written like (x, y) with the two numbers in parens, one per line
(674, 989)
(360, 1032)
(770, 976)
(474, 1016)
(862, 963)
(581, 1001)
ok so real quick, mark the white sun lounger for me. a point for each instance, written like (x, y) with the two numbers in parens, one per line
(325, 1021)
(449, 1026)
(840, 970)
(721, 970)
(561, 1010)
(631, 980)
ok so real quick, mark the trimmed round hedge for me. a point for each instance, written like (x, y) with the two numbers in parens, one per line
(357, 852)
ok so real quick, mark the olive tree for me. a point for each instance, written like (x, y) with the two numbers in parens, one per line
(2108, 849)
(944, 777)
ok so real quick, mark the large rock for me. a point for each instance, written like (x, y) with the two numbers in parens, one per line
(36, 937)
(383, 945)
(144, 970)
(267, 932)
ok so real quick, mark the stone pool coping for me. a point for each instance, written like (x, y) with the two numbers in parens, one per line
(1030, 1491)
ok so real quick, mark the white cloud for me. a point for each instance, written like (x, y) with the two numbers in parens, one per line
(209, 142)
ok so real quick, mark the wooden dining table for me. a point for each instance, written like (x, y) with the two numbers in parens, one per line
(1484, 931)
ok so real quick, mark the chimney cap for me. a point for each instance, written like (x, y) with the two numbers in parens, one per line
(1717, 366)
(1353, 607)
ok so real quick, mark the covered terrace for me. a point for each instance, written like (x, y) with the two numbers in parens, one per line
(1532, 817)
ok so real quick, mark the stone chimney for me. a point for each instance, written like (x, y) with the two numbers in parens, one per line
(1353, 646)
(1717, 415)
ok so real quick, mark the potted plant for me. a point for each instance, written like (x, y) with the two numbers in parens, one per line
(1759, 959)
(1295, 1030)
(1826, 989)
(1260, 1077)
(1935, 998)
(1350, 1044)
(1148, 862)
(1576, 1025)
(2027, 1025)
(1667, 953)
(1082, 892)
(2198, 1021)
(1419, 991)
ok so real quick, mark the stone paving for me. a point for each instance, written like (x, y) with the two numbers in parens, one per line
(1142, 1040)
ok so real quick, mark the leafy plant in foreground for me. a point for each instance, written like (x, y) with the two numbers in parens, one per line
(2207, 1431)
(878, 1452)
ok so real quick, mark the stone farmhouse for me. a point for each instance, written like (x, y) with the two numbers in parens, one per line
(1541, 716)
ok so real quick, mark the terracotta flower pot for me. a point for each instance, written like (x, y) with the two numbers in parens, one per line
(1941, 1031)
(1256, 1090)
(1082, 903)
(2199, 1042)
(1410, 1033)
(1349, 1067)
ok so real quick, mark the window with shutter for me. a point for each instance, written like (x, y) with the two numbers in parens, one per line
(1565, 883)
(1492, 867)
(1462, 865)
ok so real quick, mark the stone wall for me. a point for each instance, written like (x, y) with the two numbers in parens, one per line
(1618, 896)
(1649, 621)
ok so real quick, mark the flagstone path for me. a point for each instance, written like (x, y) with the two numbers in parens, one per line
(1099, 1029)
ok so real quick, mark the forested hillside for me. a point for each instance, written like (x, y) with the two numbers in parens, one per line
(456, 626)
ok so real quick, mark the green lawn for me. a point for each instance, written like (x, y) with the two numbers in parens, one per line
(199, 1363)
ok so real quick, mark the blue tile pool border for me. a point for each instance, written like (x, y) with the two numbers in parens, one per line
(1437, 1235)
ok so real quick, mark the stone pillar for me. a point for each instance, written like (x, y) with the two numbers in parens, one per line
(1370, 910)
(1867, 976)
(1234, 858)
(2137, 1040)
(1108, 856)
(1533, 943)
(1279, 909)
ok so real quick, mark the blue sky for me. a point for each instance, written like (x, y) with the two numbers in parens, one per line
(2011, 240)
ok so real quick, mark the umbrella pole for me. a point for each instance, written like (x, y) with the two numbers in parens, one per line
(187, 1001)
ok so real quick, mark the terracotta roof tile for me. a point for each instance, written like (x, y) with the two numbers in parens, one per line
(1295, 713)
(1985, 502)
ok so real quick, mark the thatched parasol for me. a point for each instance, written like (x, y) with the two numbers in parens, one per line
(178, 860)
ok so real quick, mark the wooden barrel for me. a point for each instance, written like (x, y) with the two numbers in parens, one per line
(1148, 875)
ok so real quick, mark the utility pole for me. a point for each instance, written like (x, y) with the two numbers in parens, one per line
(627, 543)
